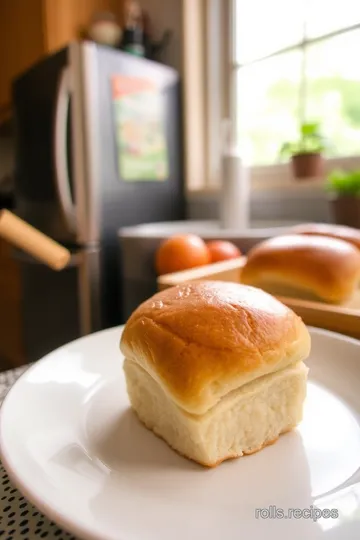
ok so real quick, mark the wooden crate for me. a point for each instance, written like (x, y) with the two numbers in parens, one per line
(343, 318)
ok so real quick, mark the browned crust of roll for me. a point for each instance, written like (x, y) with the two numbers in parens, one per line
(341, 232)
(201, 340)
(327, 267)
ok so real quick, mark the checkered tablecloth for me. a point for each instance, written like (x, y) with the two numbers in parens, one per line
(20, 520)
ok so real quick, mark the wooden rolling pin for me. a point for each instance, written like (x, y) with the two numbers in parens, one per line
(35, 243)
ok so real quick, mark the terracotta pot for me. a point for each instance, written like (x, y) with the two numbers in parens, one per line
(346, 210)
(307, 166)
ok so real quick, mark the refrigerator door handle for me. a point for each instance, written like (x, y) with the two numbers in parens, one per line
(60, 151)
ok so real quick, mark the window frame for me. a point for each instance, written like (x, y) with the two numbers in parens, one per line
(206, 89)
(210, 96)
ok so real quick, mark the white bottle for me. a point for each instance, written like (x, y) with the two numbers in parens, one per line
(235, 188)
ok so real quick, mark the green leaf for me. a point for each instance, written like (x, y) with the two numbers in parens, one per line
(344, 182)
(309, 129)
(311, 141)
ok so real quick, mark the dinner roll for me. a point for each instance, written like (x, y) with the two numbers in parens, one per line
(314, 267)
(216, 369)
(341, 232)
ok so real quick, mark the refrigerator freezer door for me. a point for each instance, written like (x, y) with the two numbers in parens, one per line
(67, 176)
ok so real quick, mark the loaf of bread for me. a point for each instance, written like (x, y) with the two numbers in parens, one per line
(308, 267)
(216, 369)
(341, 232)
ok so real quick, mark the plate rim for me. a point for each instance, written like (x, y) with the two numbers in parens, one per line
(45, 508)
(61, 519)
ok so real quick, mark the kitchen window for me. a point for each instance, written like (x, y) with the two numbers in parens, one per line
(292, 62)
(269, 66)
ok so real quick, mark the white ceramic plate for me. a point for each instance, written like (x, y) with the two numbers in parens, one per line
(73, 446)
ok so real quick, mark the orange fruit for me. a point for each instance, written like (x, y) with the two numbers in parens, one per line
(222, 250)
(181, 252)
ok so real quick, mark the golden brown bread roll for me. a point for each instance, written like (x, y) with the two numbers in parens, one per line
(340, 232)
(304, 266)
(216, 368)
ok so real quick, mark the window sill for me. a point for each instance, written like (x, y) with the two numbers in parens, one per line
(271, 178)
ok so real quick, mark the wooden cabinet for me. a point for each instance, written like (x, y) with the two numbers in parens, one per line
(30, 29)
(21, 42)
(64, 19)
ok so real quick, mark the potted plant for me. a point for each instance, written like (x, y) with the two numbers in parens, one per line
(306, 153)
(344, 190)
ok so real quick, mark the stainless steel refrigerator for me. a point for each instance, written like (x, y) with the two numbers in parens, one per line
(98, 147)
